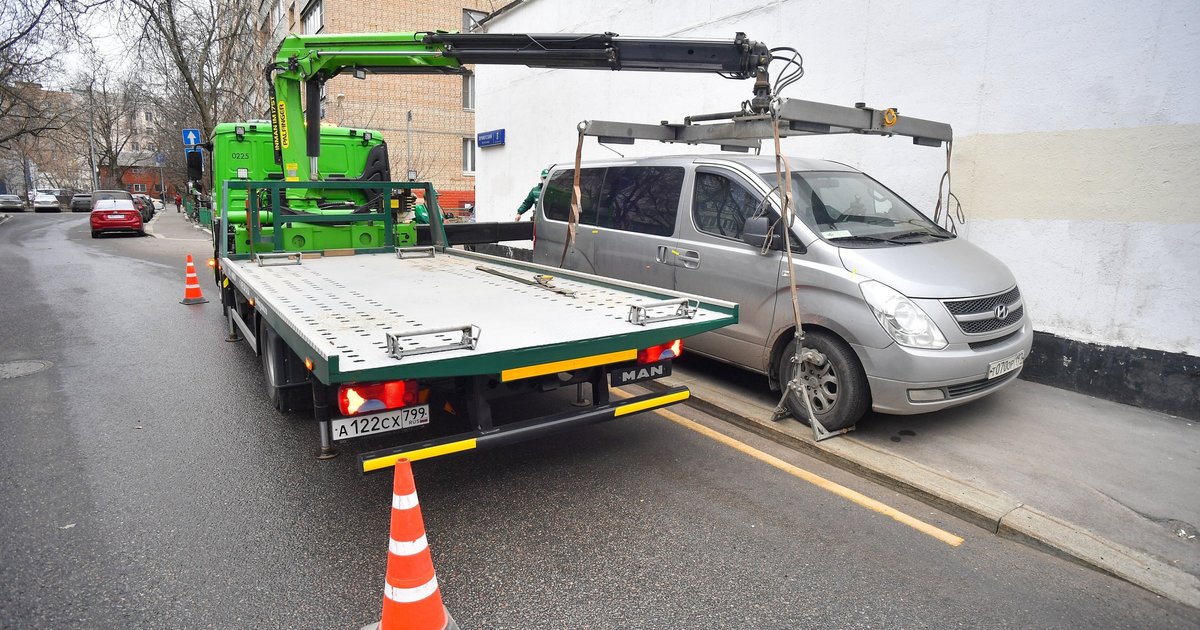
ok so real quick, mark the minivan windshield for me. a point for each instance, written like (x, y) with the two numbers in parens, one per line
(851, 209)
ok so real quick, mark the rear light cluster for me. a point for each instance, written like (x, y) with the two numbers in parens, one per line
(367, 397)
(654, 354)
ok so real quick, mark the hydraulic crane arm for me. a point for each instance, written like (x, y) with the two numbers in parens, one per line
(305, 62)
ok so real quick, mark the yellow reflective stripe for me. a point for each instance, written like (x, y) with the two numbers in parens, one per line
(421, 453)
(658, 401)
(566, 366)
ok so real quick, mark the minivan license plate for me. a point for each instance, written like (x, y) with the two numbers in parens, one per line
(370, 424)
(1006, 365)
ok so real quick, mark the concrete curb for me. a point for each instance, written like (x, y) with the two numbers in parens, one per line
(996, 512)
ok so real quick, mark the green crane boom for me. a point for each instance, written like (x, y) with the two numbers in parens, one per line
(304, 62)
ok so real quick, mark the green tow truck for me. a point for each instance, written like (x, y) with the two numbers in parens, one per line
(389, 334)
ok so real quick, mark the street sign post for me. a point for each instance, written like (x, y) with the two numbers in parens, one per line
(191, 137)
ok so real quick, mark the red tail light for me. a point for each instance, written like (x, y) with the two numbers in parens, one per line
(367, 397)
(654, 354)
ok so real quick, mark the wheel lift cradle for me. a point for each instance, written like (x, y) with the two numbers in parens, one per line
(381, 314)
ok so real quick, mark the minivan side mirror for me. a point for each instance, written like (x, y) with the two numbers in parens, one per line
(755, 231)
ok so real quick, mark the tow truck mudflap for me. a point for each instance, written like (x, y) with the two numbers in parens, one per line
(520, 431)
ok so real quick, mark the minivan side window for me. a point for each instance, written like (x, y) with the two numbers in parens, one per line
(720, 206)
(643, 199)
(556, 194)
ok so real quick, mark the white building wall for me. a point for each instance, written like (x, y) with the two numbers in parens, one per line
(1077, 128)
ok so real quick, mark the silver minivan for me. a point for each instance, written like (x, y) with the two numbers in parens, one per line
(911, 318)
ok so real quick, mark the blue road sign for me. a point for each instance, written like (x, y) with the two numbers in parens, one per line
(492, 138)
(191, 137)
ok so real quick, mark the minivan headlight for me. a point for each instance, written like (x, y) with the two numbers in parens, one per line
(901, 317)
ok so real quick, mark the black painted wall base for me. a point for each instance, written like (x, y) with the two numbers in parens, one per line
(1162, 381)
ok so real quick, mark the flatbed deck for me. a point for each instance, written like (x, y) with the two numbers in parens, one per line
(341, 309)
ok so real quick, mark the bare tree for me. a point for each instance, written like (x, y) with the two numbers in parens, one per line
(112, 105)
(200, 44)
(32, 35)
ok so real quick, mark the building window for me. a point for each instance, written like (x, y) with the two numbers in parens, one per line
(468, 155)
(149, 116)
(135, 146)
(469, 91)
(313, 17)
(137, 188)
(158, 188)
(472, 19)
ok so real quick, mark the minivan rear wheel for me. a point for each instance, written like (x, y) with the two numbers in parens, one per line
(838, 388)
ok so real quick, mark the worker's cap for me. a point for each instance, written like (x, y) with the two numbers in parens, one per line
(545, 173)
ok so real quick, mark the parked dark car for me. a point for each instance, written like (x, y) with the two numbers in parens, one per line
(149, 202)
(81, 202)
(143, 208)
(12, 203)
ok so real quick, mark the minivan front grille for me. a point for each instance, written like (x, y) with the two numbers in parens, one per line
(980, 345)
(988, 325)
(976, 316)
(966, 389)
(983, 304)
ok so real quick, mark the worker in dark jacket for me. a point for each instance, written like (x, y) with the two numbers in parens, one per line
(532, 197)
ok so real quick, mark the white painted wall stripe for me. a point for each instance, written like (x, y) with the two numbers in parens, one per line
(404, 502)
(410, 595)
(402, 548)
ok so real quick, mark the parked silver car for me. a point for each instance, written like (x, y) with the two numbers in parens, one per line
(11, 203)
(911, 318)
(45, 202)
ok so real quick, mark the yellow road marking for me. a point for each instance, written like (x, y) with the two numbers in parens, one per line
(811, 477)
(421, 453)
(653, 402)
(565, 366)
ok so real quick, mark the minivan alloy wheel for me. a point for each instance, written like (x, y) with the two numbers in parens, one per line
(838, 388)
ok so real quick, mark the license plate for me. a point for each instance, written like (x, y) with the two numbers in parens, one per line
(1006, 365)
(637, 373)
(116, 216)
(370, 424)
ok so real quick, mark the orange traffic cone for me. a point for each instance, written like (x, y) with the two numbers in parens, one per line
(411, 599)
(191, 287)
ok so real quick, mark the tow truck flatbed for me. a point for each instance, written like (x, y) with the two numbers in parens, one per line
(336, 311)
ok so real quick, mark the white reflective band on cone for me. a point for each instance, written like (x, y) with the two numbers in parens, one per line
(401, 548)
(410, 595)
(405, 502)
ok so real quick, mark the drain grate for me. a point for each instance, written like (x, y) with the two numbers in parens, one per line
(14, 369)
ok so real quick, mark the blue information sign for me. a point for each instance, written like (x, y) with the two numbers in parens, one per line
(191, 137)
(492, 138)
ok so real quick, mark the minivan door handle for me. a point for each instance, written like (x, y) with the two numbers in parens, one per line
(689, 259)
(663, 255)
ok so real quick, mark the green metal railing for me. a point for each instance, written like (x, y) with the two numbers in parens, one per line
(278, 219)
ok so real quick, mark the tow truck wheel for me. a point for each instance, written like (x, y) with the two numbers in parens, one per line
(838, 389)
(287, 381)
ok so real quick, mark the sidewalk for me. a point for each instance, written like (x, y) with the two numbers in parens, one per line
(169, 224)
(1111, 486)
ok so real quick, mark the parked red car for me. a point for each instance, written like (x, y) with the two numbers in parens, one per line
(114, 211)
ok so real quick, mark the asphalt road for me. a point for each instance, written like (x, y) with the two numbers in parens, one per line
(147, 483)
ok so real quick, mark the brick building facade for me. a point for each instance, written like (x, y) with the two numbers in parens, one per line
(442, 126)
